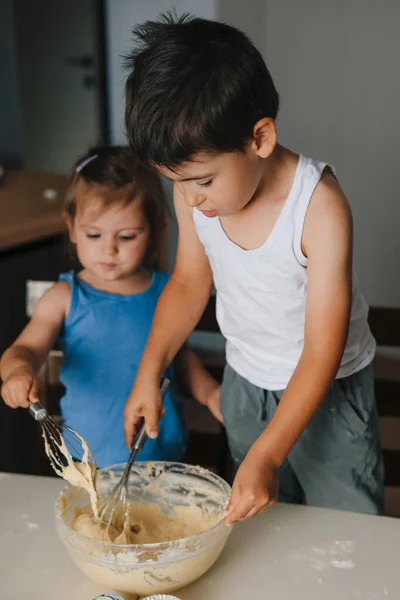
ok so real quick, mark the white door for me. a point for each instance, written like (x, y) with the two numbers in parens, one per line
(57, 43)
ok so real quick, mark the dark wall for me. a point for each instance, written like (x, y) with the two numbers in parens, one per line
(20, 444)
(10, 110)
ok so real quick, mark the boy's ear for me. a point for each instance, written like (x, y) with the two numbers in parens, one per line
(70, 226)
(264, 137)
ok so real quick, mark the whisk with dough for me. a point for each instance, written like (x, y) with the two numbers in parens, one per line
(68, 453)
(117, 499)
(59, 438)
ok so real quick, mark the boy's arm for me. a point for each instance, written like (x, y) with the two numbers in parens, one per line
(327, 242)
(194, 380)
(21, 362)
(179, 308)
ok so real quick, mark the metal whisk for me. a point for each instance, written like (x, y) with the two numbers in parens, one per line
(119, 494)
(58, 439)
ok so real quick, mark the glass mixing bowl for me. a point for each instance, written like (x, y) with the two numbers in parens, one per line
(150, 568)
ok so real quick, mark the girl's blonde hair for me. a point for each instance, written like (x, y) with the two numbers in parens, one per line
(117, 177)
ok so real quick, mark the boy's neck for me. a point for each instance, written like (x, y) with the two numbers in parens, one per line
(275, 182)
(135, 283)
(278, 167)
(251, 227)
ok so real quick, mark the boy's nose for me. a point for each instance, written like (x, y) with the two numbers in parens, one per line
(194, 200)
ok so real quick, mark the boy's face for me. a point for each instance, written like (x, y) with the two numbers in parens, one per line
(110, 242)
(219, 185)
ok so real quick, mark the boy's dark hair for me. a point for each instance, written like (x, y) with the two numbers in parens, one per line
(194, 85)
(117, 177)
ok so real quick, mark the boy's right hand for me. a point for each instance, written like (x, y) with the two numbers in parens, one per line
(144, 402)
(20, 388)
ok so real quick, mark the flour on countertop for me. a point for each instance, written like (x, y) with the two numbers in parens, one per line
(329, 555)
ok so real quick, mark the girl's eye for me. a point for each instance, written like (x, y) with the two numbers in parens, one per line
(205, 184)
(127, 238)
(93, 236)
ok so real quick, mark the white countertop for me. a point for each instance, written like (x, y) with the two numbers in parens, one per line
(288, 553)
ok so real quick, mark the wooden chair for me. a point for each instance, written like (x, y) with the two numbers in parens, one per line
(50, 387)
(385, 327)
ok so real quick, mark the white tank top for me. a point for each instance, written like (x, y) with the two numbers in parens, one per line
(261, 293)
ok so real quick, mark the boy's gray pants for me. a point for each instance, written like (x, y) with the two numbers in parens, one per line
(336, 463)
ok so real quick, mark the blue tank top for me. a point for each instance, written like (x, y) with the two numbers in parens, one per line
(103, 339)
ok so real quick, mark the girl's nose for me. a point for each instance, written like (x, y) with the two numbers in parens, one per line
(109, 247)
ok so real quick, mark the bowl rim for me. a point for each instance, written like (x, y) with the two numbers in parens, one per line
(138, 547)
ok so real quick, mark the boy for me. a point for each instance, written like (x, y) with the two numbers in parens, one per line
(274, 231)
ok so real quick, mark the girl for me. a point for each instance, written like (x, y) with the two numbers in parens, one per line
(115, 212)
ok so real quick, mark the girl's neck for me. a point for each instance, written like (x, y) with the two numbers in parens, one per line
(135, 283)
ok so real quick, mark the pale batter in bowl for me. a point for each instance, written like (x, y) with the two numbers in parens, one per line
(147, 524)
(176, 528)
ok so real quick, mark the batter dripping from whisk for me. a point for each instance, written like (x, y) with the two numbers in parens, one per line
(81, 474)
(142, 524)
(139, 524)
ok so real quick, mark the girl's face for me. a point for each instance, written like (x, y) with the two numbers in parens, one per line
(112, 242)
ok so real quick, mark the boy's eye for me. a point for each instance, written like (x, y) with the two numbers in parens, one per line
(126, 238)
(93, 236)
(205, 184)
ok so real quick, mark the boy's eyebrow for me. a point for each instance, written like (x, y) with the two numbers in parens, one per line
(207, 176)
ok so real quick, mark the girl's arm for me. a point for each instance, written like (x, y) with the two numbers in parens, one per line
(194, 380)
(21, 362)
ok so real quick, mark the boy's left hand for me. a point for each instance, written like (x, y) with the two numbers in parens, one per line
(255, 488)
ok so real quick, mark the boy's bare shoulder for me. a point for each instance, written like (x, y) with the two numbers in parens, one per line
(329, 200)
(328, 220)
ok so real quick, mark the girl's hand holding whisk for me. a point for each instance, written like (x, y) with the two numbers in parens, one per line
(21, 362)
(20, 387)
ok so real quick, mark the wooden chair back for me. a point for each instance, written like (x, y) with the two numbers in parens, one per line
(385, 326)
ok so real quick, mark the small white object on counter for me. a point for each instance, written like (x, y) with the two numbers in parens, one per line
(108, 597)
(114, 597)
(161, 597)
(50, 194)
